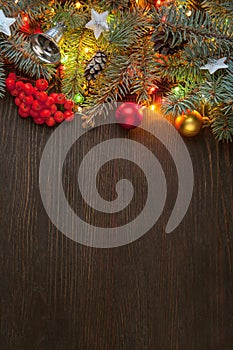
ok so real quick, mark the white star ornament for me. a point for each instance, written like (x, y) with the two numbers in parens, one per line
(98, 22)
(5, 23)
(214, 65)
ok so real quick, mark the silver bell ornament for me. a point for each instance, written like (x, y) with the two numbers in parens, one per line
(46, 45)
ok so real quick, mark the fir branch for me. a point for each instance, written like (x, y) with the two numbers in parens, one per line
(222, 125)
(196, 28)
(73, 63)
(143, 62)
(126, 30)
(176, 105)
(182, 67)
(193, 4)
(112, 85)
(216, 89)
(31, 7)
(220, 8)
(69, 14)
(113, 5)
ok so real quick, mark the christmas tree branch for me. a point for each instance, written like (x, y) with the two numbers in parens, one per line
(14, 8)
(143, 61)
(222, 125)
(176, 104)
(69, 14)
(115, 84)
(127, 29)
(222, 8)
(197, 28)
(73, 59)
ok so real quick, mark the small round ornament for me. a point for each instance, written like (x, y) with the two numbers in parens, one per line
(129, 115)
(189, 124)
(78, 98)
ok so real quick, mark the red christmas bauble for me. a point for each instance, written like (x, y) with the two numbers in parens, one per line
(129, 115)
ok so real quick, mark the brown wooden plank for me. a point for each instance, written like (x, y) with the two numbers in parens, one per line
(163, 292)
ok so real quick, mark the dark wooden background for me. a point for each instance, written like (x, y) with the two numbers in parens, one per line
(162, 292)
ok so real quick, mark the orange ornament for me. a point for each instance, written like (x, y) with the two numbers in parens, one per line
(189, 124)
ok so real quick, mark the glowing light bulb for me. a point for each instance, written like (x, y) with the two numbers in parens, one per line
(158, 2)
(78, 5)
(86, 50)
(153, 107)
(152, 90)
(189, 13)
(64, 59)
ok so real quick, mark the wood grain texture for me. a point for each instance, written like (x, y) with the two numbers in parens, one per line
(162, 292)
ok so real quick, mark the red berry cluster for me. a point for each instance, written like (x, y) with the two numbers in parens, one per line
(35, 102)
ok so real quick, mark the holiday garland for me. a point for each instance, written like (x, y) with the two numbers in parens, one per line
(179, 51)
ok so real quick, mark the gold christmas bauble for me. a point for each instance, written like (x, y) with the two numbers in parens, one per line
(189, 124)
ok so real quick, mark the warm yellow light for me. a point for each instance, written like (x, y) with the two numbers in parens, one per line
(152, 90)
(86, 50)
(78, 5)
(189, 13)
(153, 107)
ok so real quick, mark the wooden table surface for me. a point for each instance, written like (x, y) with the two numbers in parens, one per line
(161, 292)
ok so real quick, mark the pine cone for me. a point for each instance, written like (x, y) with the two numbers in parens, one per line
(165, 47)
(95, 65)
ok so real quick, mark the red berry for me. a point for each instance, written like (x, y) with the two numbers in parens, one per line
(18, 101)
(38, 120)
(53, 109)
(23, 114)
(59, 117)
(60, 99)
(69, 104)
(29, 89)
(53, 95)
(19, 85)
(14, 92)
(10, 84)
(61, 71)
(45, 113)
(24, 108)
(69, 116)
(28, 100)
(49, 102)
(34, 114)
(50, 121)
(37, 105)
(41, 96)
(22, 95)
(42, 84)
(12, 76)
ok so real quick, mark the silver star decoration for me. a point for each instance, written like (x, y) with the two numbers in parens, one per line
(214, 65)
(98, 22)
(5, 23)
